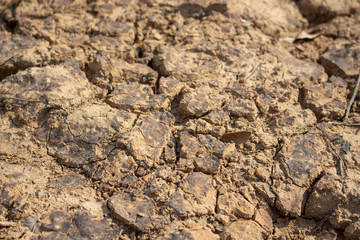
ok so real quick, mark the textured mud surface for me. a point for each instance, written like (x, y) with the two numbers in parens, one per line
(131, 119)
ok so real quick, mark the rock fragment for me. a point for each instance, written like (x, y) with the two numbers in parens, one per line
(300, 70)
(108, 73)
(92, 123)
(201, 234)
(60, 86)
(349, 211)
(325, 198)
(197, 102)
(19, 54)
(232, 203)
(352, 232)
(135, 212)
(295, 120)
(123, 31)
(137, 98)
(244, 229)
(85, 135)
(299, 227)
(181, 206)
(60, 222)
(56, 236)
(82, 225)
(189, 145)
(146, 141)
(328, 99)
(325, 10)
(342, 59)
(215, 146)
(265, 220)
(170, 86)
(264, 189)
(111, 47)
(217, 117)
(200, 187)
(116, 170)
(290, 198)
(273, 18)
(302, 158)
(243, 108)
(194, 68)
(207, 164)
(90, 228)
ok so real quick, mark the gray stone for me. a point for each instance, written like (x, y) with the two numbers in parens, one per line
(56, 236)
(32, 223)
(70, 181)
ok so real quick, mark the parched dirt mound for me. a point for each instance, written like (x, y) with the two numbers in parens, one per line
(170, 119)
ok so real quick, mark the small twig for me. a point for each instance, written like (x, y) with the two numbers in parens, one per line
(253, 71)
(341, 164)
(341, 160)
(352, 99)
(346, 124)
(322, 221)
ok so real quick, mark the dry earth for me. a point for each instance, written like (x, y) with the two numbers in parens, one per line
(113, 115)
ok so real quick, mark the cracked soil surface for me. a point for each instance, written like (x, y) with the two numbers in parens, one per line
(189, 119)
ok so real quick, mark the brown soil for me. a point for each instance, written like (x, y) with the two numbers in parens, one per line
(169, 119)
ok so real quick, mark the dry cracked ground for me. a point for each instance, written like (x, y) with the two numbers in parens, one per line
(190, 119)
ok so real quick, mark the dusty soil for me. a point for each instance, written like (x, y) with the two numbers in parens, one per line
(168, 119)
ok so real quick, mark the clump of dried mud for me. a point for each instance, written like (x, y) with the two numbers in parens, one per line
(113, 115)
